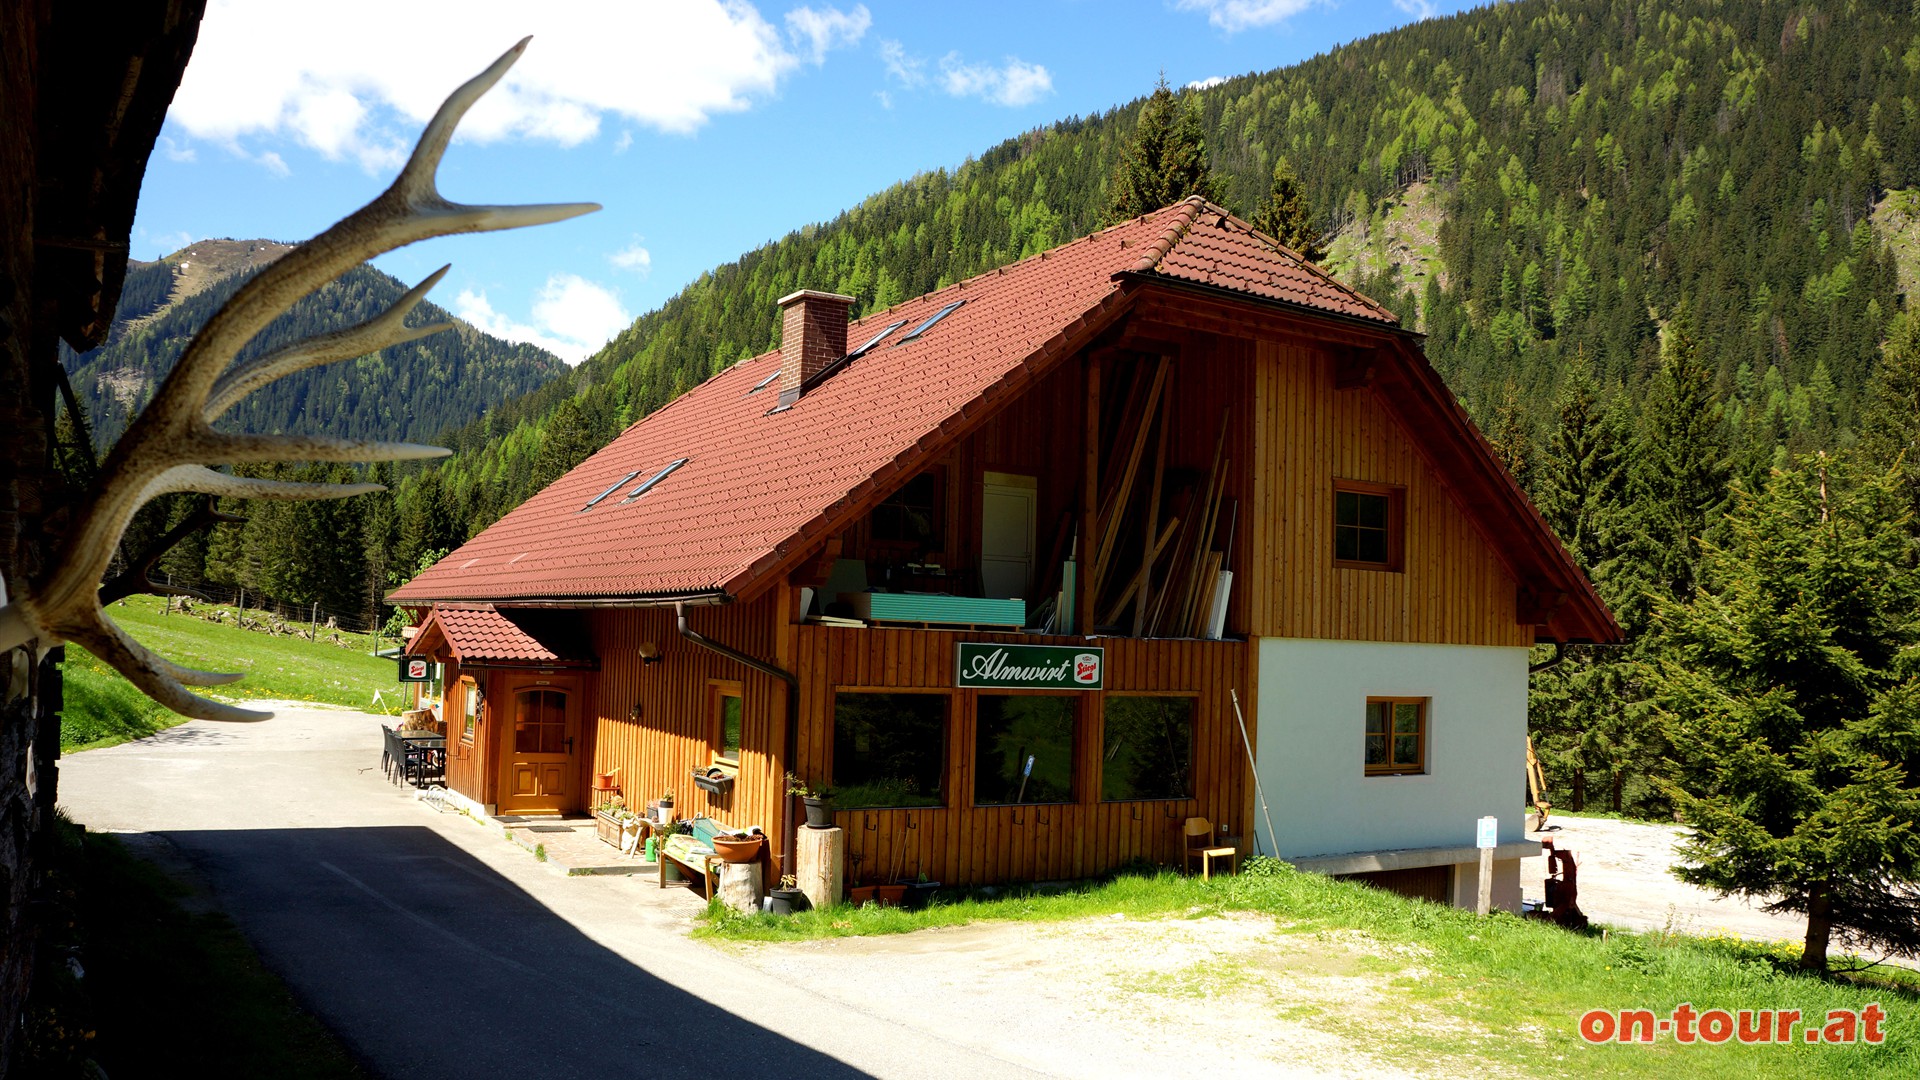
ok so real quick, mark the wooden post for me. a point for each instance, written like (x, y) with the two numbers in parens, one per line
(742, 886)
(1088, 583)
(820, 859)
(1486, 835)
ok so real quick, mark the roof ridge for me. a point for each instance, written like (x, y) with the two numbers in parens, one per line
(1183, 219)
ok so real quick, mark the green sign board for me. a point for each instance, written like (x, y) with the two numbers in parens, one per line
(417, 669)
(1031, 667)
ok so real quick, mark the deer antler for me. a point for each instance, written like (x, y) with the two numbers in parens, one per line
(168, 448)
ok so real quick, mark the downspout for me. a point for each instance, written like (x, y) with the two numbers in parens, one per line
(792, 750)
(1559, 654)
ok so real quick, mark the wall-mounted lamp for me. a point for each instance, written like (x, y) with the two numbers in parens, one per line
(634, 713)
(649, 653)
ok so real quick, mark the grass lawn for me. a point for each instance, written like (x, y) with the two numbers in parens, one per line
(103, 709)
(1515, 990)
(162, 991)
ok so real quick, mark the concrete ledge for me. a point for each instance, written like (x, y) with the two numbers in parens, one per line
(1369, 862)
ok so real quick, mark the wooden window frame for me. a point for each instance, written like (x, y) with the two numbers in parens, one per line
(469, 709)
(1193, 746)
(1080, 740)
(947, 744)
(941, 517)
(1419, 768)
(716, 727)
(1396, 523)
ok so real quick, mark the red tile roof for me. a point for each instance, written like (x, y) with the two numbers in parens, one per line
(757, 486)
(481, 632)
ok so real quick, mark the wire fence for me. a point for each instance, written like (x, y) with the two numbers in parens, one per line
(251, 611)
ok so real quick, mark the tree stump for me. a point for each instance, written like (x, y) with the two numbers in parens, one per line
(820, 865)
(741, 886)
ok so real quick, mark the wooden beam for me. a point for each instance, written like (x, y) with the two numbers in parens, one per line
(1117, 505)
(1536, 605)
(1089, 500)
(1354, 368)
(1137, 587)
(1150, 552)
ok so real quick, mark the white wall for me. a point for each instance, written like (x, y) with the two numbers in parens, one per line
(1311, 748)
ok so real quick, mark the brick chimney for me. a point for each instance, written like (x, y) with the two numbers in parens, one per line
(813, 334)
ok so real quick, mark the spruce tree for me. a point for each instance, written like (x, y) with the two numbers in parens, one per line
(1285, 216)
(565, 442)
(1582, 476)
(1890, 425)
(1511, 436)
(1164, 162)
(1792, 681)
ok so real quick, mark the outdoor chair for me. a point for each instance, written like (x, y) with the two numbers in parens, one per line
(1206, 850)
(391, 755)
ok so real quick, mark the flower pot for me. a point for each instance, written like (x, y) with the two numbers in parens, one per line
(785, 901)
(819, 812)
(890, 895)
(736, 849)
(918, 895)
(860, 894)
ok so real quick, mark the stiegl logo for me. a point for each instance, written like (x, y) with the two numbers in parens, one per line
(1086, 668)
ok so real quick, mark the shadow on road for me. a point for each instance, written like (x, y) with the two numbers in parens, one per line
(429, 964)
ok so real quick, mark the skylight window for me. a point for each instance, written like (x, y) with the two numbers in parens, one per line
(616, 486)
(651, 480)
(875, 340)
(766, 382)
(928, 325)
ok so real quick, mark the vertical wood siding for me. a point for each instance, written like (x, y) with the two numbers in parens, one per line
(964, 844)
(1452, 589)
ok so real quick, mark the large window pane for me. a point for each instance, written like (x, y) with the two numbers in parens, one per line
(889, 749)
(1148, 748)
(728, 705)
(1023, 752)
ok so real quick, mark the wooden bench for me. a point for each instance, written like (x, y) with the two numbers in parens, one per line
(693, 851)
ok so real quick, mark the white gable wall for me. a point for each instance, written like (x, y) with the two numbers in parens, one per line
(1312, 720)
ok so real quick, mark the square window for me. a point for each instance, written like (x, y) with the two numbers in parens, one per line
(1147, 748)
(889, 750)
(1023, 749)
(1367, 526)
(1396, 736)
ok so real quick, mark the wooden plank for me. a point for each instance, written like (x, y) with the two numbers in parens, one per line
(1116, 508)
(1150, 551)
(1089, 583)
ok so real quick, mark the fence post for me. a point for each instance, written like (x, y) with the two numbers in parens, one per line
(313, 625)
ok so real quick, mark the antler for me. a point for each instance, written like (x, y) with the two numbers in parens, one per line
(168, 448)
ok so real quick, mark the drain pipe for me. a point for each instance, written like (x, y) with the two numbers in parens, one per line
(1559, 654)
(793, 712)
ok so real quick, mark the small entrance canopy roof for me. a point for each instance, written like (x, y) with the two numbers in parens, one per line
(483, 635)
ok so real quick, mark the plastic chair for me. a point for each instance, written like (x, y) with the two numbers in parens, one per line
(1206, 850)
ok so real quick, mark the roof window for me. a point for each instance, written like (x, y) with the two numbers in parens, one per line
(651, 480)
(616, 486)
(928, 325)
(875, 340)
(766, 382)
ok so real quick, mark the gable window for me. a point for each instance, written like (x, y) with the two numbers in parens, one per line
(726, 719)
(889, 750)
(1396, 736)
(1368, 523)
(1023, 751)
(470, 695)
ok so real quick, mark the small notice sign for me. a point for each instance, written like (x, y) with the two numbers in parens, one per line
(1031, 667)
(1488, 834)
(416, 669)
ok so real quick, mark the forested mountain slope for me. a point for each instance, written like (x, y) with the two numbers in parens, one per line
(409, 392)
(1580, 168)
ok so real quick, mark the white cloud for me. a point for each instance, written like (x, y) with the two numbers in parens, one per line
(269, 161)
(1419, 9)
(355, 79)
(816, 32)
(1207, 83)
(1236, 15)
(177, 151)
(622, 144)
(910, 70)
(633, 257)
(1018, 83)
(886, 99)
(572, 317)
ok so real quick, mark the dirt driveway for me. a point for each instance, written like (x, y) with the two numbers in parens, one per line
(1625, 881)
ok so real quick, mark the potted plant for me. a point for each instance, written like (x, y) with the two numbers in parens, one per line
(890, 895)
(665, 808)
(819, 802)
(919, 893)
(738, 847)
(861, 894)
(786, 899)
(607, 819)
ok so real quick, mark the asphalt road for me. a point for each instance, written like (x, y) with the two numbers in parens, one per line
(435, 948)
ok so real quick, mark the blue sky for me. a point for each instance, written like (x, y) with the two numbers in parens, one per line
(704, 128)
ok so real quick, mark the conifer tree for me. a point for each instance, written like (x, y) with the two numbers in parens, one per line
(1890, 426)
(566, 442)
(1792, 679)
(1512, 440)
(1678, 479)
(1164, 162)
(1285, 216)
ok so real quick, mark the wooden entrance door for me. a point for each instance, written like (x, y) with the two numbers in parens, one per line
(540, 770)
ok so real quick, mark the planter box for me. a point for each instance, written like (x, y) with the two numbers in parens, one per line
(608, 828)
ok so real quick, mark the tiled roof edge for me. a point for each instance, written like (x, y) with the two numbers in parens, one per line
(1182, 221)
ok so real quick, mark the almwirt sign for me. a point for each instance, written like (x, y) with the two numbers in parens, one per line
(1031, 667)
